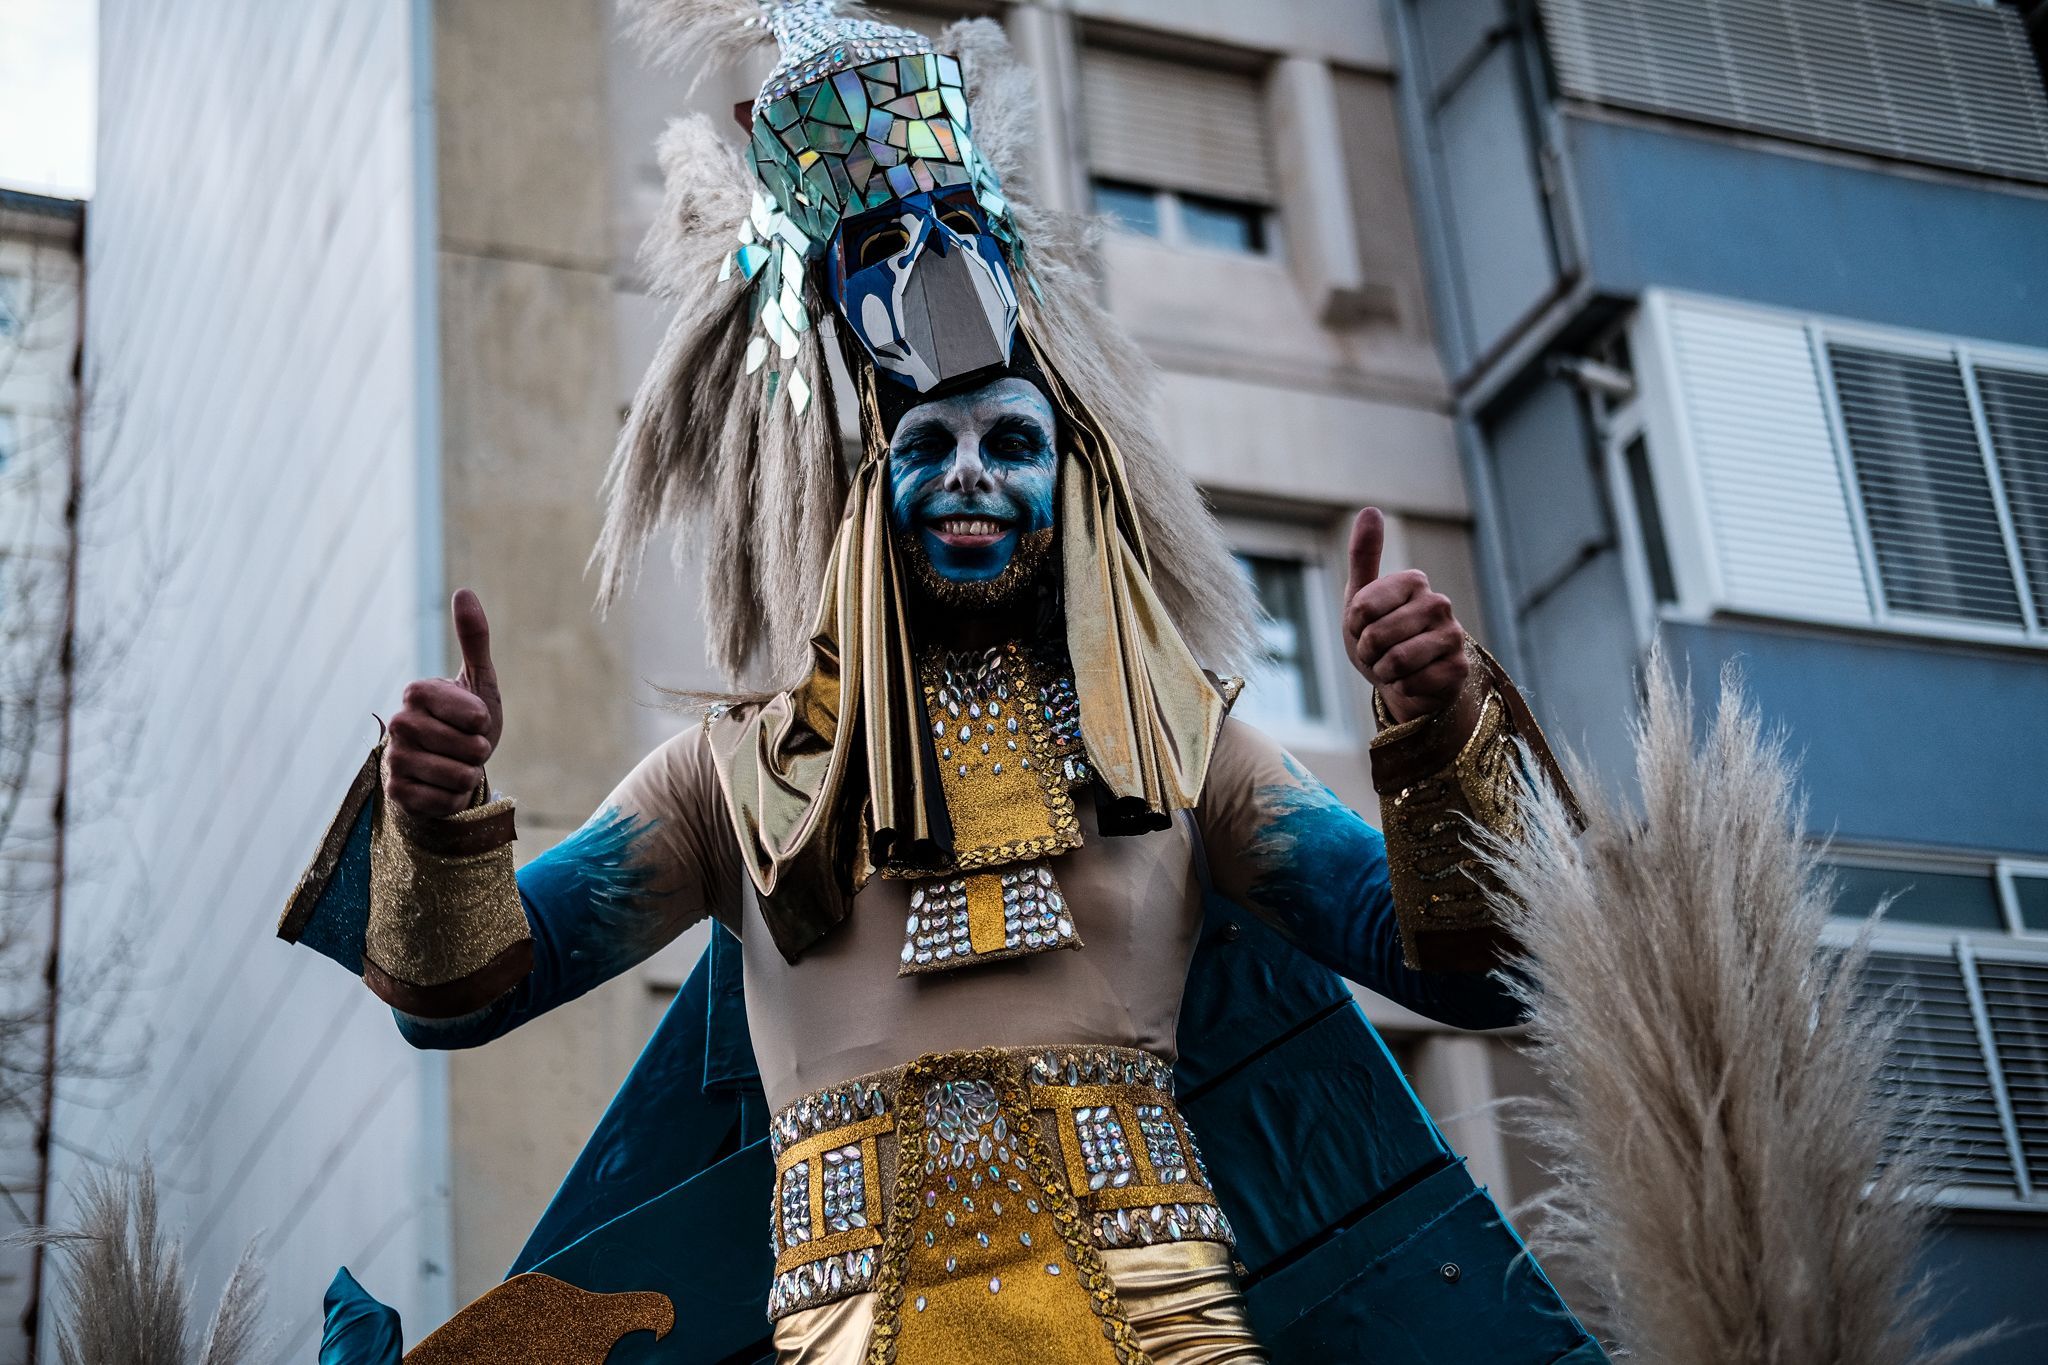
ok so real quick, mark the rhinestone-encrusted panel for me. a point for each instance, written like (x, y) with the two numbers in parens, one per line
(846, 1193)
(822, 1112)
(1105, 1153)
(796, 1204)
(1162, 1144)
(1035, 913)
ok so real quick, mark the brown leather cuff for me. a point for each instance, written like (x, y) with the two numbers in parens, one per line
(1440, 779)
(447, 932)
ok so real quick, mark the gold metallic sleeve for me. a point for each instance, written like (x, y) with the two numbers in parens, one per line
(1438, 777)
(447, 934)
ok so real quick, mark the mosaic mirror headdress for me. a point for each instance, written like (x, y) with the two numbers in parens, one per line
(865, 127)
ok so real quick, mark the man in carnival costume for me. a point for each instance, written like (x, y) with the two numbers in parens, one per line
(965, 853)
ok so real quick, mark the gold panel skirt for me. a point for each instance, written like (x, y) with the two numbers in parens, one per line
(1019, 1207)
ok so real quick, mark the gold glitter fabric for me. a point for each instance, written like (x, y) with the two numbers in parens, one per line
(447, 934)
(1005, 728)
(1181, 1300)
(1004, 1172)
(539, 1320)
(1438, 782)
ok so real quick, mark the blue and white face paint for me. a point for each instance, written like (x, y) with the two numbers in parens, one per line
(923, 284)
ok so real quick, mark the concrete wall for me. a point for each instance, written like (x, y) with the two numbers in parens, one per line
(1775, 224)
(1903, 742)
(254, 574)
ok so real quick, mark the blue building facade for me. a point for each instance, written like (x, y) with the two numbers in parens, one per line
(1746, 308)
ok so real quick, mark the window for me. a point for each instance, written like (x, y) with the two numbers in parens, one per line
(1287, 694)
(2009, 896)
(1845, 474)
(1951, 900)
(1649, 521)
(12, 301)
(1184, 219)
(1969, 1054)
(1928, 483)
(1178, 151)
(1131, 207)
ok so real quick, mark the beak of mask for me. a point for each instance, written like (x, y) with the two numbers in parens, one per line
(926, 291)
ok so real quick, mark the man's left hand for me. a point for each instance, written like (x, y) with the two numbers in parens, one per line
(1399, 632)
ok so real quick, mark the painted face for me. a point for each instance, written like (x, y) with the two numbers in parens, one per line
(924, 286)
(971, 482)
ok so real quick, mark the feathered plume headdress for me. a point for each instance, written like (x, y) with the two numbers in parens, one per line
(731, 435)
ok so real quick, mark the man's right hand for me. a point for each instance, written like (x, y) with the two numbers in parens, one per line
(447, 728)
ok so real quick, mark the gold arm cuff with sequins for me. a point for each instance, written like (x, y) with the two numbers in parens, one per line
(447, 933)
(1435, 783)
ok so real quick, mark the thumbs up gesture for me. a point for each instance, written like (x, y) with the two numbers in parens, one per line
(447, 728)
(1400, 634)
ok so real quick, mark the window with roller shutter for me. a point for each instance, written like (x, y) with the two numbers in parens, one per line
(1177, 150)
(1848, 474)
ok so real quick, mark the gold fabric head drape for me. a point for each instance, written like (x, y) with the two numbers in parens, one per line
(835, 778)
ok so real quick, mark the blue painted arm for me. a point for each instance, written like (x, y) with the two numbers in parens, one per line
(588, 907)
(1281, 843)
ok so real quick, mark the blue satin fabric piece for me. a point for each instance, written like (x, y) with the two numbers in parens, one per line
(359, 1330)
(341, 917)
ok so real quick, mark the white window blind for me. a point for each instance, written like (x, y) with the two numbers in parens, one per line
(1175, 125)
(1757, 425)
(2016, 414)
(1925, 487)
(1859, 475)
(1940, 1067)
(1923, 80)
(2016, 1005)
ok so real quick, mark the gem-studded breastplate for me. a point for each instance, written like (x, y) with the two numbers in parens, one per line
(1006, 730)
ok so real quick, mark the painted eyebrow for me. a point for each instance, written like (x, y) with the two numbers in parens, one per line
(1026, 424)
(924, 429)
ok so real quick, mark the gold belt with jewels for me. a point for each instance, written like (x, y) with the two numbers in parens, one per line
(965, 1176)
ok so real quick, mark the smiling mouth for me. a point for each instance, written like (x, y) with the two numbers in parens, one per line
(969, 533)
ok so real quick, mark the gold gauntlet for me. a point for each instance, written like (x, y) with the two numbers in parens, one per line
(1436, 781)
(447, 933)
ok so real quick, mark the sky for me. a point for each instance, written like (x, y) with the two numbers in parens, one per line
(47, 87)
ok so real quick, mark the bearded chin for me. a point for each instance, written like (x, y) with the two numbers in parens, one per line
(1014, 586)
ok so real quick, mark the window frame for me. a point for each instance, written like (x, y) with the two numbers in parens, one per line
(1336, 731)
(1684, 508)
(2001, 870)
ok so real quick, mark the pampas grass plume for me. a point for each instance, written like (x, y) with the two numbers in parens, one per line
(123, 1296)
(1718, 1122)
